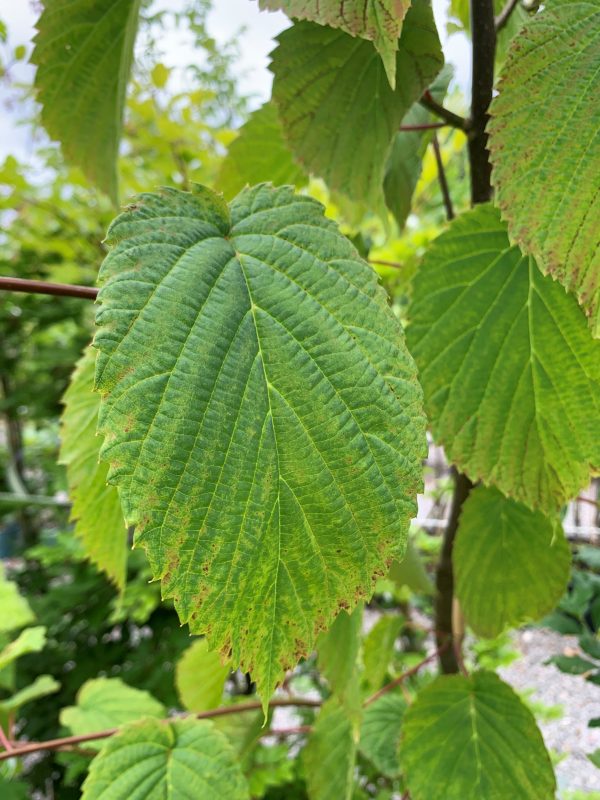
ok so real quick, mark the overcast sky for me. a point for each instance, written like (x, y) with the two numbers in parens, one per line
(225, 20)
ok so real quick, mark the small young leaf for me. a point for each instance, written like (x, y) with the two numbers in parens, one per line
(330, 754)
(83, 53)
(31, 640)
(572, 665)
(473, 737)
(151, 759)
(380, 733)
(105, 703)
(259, 154)
(544, 145)
(411, 572)
(42, 686)
(96, 506)
(261, 413)
(200, 676)
(16, 612)
(379, 649)
(494, 341)
(511, 564)
(336, 107)
(338, 648)
(377, 20)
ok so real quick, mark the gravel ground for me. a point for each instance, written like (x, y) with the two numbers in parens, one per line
(580, 700)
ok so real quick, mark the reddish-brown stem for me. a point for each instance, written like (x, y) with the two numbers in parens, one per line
(4, 741)
(442, 180)
(503, 17)
(588, 500)
(280, 732)
(405, 676)
(449, 117)
(42, 287)
(384, 263)
(426, 126)
(57, 744)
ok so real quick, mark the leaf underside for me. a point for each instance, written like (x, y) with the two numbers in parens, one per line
(545, 145)
(476, 739)
(83, 53)
(511, 564)
(380, 21)
(261, 415)
(510, 373)
(96, 506)
(338, 112)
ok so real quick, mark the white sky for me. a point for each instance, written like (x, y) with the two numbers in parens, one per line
(226, 18)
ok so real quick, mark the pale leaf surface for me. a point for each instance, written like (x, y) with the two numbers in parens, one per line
(200, 677)
(104, 703)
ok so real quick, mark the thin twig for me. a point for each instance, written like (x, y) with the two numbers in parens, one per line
(449, 117)
(589, 500)
(42, 287)
(405, 675)
(503, 17)
(445, 189)
(426, 126)
(57, 744)
(281, 732)
(5, 742)
(383, 263)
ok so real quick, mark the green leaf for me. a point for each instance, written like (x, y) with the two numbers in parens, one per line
(31, 640)
(16, 612)
(511, 564)
(83, 53)
(379, 649)
(590, 644)
(405, 159)
(105, 703)
(13, 789)
(510, 373)
(572, 665)
(380, 733)
(336, 107)
(330, 754)
(338, 649)
(259, 154)
(261, 413)
(42, 686)
(200, 676)
(149, 760)
(544, 145)
(411, 571)
(473, 737)
(380, 21)
(96, 507)
(595, 758)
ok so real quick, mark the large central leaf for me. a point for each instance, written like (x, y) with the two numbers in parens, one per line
(261, 414)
